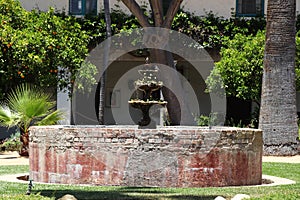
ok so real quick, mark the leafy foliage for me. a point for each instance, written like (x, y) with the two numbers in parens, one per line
(34, 44)
(95, 26)
(13, 143)
(239, 71)
(211, 31)
(210, 120)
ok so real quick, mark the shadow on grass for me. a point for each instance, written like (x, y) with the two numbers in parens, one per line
(121, 194)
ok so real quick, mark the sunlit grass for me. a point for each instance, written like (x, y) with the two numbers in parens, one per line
(13, 169)
(42, 191)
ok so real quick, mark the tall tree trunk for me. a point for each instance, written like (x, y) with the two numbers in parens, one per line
(106, 57)
(176, 104)
(178, 110)
(278, 118)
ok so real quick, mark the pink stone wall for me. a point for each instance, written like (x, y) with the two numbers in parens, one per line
(164, 157)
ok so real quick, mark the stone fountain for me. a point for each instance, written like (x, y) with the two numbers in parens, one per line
(147, 93)
(128, 155)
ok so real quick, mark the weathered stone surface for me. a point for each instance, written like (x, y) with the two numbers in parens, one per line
(164, 157)
(290, 149)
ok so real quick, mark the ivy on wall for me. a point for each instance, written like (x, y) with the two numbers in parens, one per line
(209, 30)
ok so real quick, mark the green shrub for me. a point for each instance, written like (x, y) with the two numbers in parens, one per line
(239, 71)
(211, 120)
(203, 120)
(209, 30)
(13, 143)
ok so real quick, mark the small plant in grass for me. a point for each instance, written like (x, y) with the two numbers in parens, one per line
(27, 106)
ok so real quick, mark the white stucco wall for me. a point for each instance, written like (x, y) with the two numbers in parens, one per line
(44, 5)
(219, 7)
(298, 7)
(199, 7)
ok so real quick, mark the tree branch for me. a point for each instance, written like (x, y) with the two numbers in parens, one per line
(172, 10)
(137, 12)
(157, 10)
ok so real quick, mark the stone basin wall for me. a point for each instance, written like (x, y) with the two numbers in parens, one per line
(128, 156)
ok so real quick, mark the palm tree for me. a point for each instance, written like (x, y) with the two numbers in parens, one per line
(278, 118)
(27, 106)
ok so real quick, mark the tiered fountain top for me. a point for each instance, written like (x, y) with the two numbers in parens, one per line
(147, 92)
(148, 84)
(149, 78)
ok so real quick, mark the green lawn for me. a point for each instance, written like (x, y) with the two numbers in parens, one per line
(40, 191)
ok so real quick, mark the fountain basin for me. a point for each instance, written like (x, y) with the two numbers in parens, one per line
(177, 156)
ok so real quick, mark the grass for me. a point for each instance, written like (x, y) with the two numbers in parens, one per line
(41, 191)
(13, 169)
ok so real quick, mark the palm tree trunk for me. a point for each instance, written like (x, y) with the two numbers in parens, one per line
(278, 118)
(24, 138)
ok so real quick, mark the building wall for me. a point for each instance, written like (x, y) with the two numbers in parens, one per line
(220, 7)
(44, 5)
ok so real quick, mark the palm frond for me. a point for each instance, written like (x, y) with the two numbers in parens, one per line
(29, 101)
(32, 106)
(7, 117)
(51, 118)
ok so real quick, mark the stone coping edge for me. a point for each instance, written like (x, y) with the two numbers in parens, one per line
(211, 128)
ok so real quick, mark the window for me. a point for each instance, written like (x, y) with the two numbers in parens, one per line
(83, 7)
(249, 8)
